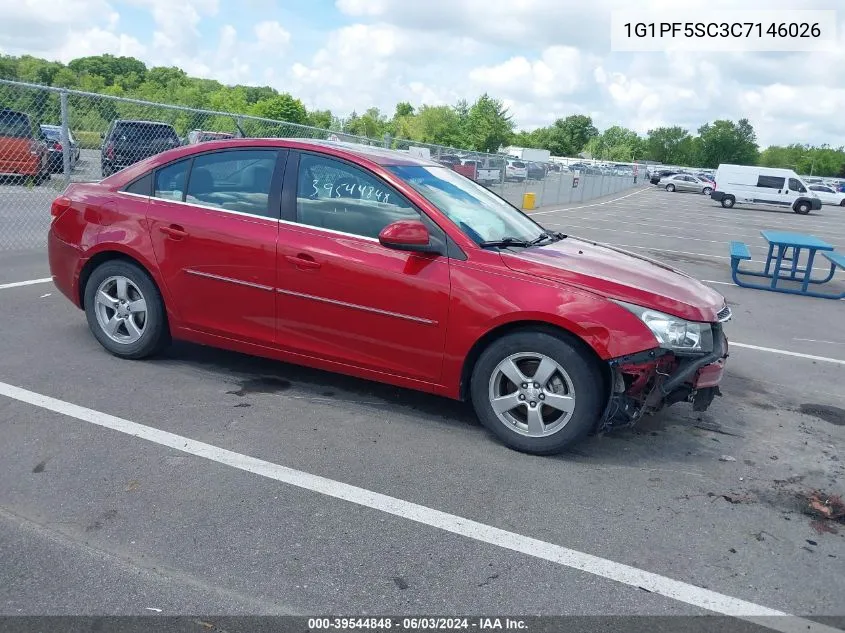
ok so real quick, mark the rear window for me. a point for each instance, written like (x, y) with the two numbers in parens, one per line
(770, 182)
(15, 125)
(144, 131)
(518, 163)
(51, 132)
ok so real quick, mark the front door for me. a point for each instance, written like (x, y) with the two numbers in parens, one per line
(214, 222)
(344, 297)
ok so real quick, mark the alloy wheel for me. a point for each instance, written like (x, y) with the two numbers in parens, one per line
(532, 394)
(121, 309)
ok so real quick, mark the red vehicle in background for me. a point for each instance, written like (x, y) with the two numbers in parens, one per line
(388, 267)
(23, 153)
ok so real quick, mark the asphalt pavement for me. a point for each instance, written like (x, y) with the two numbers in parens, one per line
(109, 504)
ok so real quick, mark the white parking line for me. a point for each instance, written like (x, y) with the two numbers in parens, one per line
(597, 204)
(785, 352)
(625, 574)
(29, 282)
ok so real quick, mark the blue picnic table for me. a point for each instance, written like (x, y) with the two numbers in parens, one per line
(783, 263)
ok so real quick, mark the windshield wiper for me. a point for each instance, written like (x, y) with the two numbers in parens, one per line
(505, 242)
(548, 235)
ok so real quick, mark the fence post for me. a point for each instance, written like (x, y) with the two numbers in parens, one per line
(387, 140)
(65, 137)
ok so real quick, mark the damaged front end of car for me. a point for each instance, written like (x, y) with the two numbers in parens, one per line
(670, 373)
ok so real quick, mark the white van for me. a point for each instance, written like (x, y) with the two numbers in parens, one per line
(742, 184)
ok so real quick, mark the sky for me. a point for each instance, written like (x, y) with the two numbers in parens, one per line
(545, 59)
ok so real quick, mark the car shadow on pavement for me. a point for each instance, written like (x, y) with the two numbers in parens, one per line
(255, 374)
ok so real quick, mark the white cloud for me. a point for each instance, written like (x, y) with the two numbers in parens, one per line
(271, 36)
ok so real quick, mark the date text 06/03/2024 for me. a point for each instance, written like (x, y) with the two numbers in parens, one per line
(418, 624)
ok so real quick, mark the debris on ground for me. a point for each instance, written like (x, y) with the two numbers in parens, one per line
(826, 507)
(727, 458)
(733, 497)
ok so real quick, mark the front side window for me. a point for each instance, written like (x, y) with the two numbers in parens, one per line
(795, 185)
(235, 180)
(480, 214)
(335, 195)
(170, 181)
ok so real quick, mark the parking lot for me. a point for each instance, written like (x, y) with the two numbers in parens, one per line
(209, 482)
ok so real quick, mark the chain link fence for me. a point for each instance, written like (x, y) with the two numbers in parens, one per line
(50, 137)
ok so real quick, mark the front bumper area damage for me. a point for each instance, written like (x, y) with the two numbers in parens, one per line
(651, 380)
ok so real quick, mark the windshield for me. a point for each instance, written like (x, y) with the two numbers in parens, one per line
(145, 132)
(480, 214)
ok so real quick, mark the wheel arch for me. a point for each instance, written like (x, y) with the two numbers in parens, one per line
(107, 255)
(511, 327)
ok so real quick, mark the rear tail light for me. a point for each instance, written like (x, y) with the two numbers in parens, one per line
(60, 205)
(110, 151)
(34, 147)
(57, 146)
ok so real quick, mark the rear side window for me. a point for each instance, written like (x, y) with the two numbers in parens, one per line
(796, 185)
(170, 181)
(14, 124)
(142, 186)
(236, 180)
(770, 182)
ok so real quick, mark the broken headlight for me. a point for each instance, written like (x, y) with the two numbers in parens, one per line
(672, 332)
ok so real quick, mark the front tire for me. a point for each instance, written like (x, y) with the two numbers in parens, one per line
(670, 188)
(707, 191)
(801, 208)
(125, 310)
(842, 203)
(537, 392)
(728, 202)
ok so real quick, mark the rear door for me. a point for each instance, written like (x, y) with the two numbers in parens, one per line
(137, 140)
(344, 297)
(213, 221)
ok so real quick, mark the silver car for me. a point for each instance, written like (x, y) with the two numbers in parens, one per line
(686, 182)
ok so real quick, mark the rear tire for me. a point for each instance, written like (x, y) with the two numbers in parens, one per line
(129, 285)
(570, 380)
(728, 202)
(801, 208)
(670, 188)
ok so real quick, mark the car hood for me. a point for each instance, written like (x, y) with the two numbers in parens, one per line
(618, 274)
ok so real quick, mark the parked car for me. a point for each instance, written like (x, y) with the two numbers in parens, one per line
(23, 153)
(655, 177)
(201, 136)
(767, 186)
(828, 195)
(127, 142)
(55, 151)
(685, 182)
(554, 167)
(515, 170)
(535, 171)
(486, 171)
(387, 267)
(705, 177)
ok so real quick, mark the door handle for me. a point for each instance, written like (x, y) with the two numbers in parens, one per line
(174, 231)
(303, 261)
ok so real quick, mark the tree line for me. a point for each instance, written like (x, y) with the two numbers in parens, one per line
(485, 125)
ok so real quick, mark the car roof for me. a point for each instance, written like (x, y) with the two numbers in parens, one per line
(378, 155)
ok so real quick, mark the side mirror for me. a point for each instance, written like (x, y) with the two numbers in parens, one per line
(407, 235)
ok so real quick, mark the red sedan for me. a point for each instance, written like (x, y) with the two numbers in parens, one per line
(383, 266)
